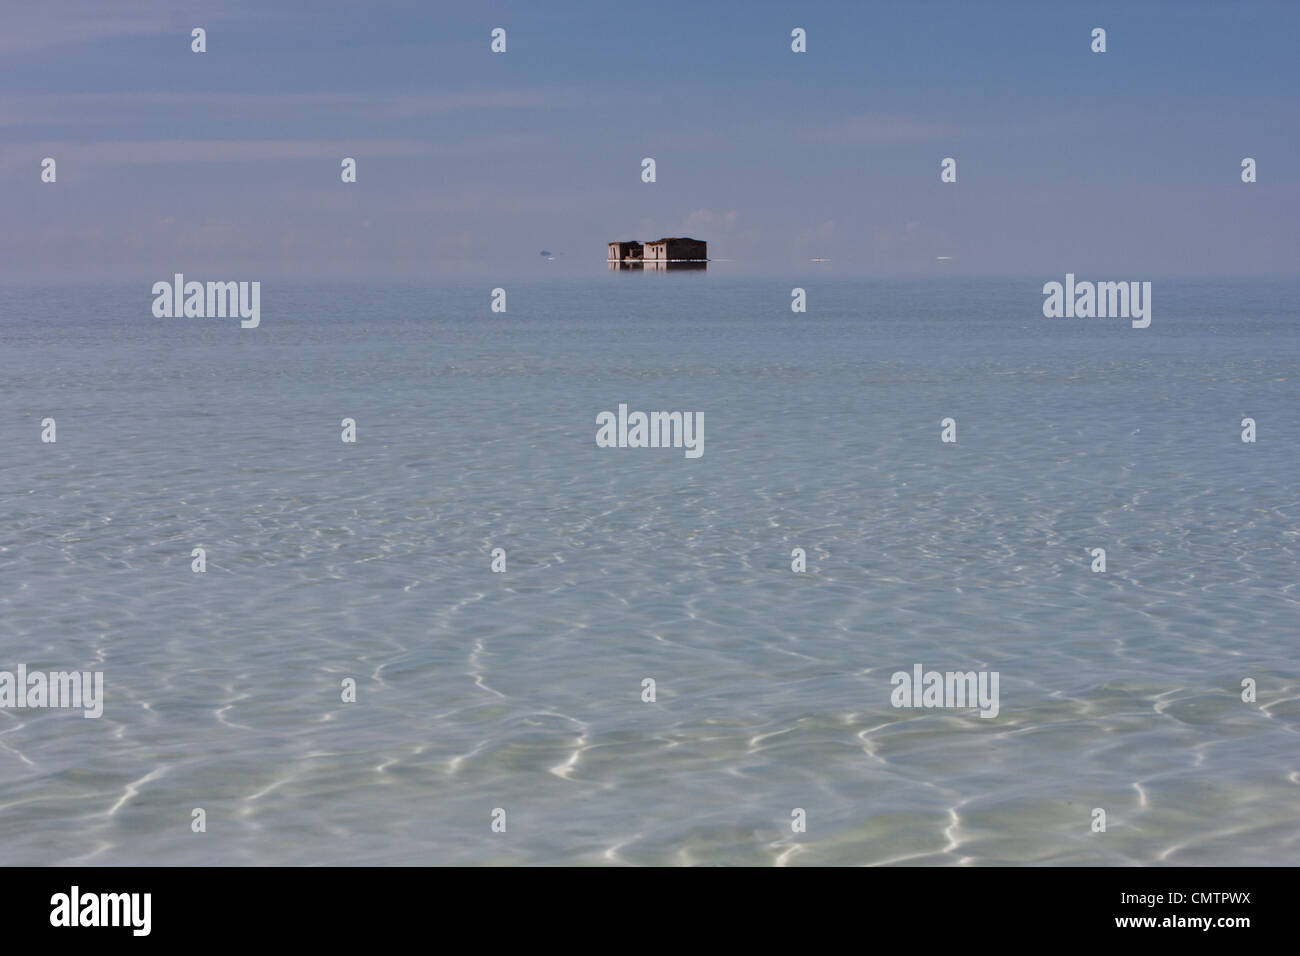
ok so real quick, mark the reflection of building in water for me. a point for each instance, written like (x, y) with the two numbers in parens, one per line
(661, 256)
(661, 265)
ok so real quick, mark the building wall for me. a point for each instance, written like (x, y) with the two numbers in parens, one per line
(625, 250)
(687, 249)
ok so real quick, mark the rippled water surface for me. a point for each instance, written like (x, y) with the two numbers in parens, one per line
(522, 690)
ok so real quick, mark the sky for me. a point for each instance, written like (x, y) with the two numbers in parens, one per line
(226, 164)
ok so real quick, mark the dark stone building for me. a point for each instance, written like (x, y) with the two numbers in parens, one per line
(677, 250)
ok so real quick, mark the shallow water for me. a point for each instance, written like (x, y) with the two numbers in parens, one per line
(522, 690)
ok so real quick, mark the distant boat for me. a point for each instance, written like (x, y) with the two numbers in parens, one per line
(548, 254)
(820, 259)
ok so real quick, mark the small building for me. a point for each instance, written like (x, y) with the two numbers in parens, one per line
(619, 251)
(679, 249)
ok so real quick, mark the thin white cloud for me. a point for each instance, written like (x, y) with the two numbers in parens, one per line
(138, 152)
(877, 128)
(708, 219)
(36, 26)
(108, 107)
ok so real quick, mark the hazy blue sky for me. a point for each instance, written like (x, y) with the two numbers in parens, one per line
(226, 164)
